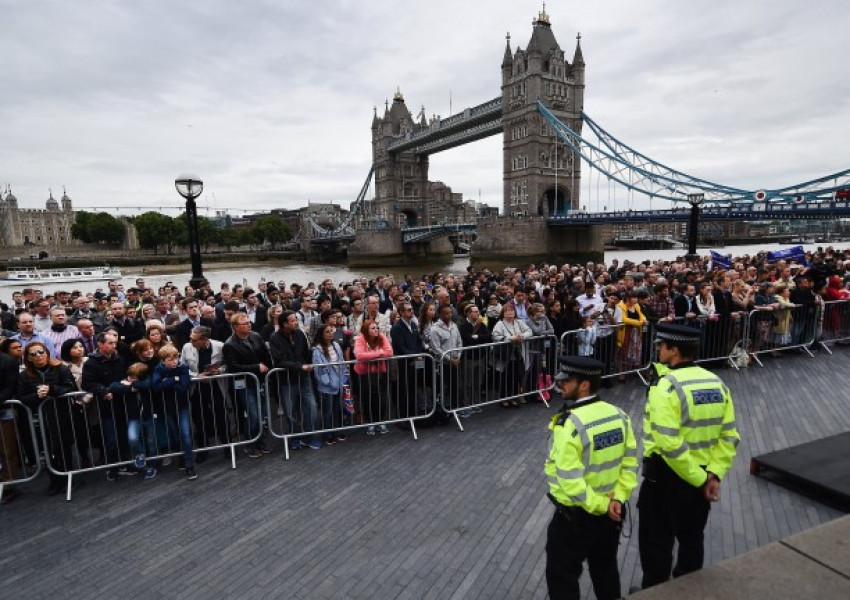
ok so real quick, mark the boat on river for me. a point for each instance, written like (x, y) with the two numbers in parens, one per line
(36, 276)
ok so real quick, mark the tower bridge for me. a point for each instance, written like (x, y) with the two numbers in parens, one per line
(540, 115)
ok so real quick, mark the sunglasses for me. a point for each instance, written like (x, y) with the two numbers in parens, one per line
(36, 353)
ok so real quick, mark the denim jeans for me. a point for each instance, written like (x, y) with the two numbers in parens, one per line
(185, 426)
(135, 430)
(249, 410)
(110, 438)
(297, 391)
(331, 409)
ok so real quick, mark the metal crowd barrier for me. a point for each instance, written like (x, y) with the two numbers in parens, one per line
(474, 376)
(18, 449)
(836, 324)
(720, 336)
(80, 436)
(397, 389)
(787, 329)
(602, 342)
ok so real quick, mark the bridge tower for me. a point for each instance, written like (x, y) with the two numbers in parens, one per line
(402, 194)
(541, 176)
(401, 178)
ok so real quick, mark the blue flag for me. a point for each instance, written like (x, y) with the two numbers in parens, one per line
(795, 253)
(721, 261)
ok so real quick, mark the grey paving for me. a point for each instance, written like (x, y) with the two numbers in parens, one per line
(452, 515)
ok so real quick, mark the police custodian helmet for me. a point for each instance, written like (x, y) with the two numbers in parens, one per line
(580, 367)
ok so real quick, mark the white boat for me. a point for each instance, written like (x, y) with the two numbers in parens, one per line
(34, 275)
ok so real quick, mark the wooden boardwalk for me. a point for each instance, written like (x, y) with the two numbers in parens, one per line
(453, 515)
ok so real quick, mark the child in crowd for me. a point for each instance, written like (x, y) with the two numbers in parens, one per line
(173, 380)
(587, 337)
(140, 418)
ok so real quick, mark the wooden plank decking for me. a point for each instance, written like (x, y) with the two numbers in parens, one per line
(453, 515)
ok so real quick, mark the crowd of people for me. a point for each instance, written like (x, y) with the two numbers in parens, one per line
(167, 371)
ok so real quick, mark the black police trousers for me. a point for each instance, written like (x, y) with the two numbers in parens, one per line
(573, 537)
(670, 510)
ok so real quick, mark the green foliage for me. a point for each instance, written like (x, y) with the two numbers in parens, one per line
(99, 228)
(154, 229)
(270, 230)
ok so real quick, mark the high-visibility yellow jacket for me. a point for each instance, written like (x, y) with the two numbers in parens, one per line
(592, 454)
(689, 421)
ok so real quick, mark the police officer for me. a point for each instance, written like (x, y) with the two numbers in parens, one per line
(592, 470)
(689, 443)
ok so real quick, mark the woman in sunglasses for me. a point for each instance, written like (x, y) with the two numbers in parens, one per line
(45, 379)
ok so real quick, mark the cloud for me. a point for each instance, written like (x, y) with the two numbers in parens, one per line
(271, 102)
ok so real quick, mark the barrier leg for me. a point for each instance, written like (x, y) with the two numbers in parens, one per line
(232, 456)
(70, 487)
(413, 429)
(756, 358)
(457, 420)
(825, 347)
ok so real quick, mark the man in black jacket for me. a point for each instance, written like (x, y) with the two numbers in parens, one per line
(291, 352)
(256, 311)
(405, 339)
(183, 330)
(102, 375)
(245, 352)
(804, 318)
(473, 332)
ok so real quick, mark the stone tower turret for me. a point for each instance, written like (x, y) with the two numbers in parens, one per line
(10, 221)
(541, 175)
(401, 178)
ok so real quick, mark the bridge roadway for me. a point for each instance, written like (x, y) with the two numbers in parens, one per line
(780, 211)
(453, 515)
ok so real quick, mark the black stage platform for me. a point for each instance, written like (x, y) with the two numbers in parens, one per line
(819, 469)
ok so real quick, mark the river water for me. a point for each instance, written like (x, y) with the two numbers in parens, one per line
(305, 273)
(339, 272)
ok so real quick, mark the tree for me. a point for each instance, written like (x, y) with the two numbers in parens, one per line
(154, 229)
(79, 229)
(100, 228)
(270, 230)
(208, 233)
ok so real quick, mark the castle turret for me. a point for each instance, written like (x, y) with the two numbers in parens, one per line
(66, 202)
(51, 203)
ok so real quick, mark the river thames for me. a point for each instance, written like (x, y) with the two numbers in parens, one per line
(303, 273)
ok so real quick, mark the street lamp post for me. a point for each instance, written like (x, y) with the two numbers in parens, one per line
(190, 187)
(695, 200)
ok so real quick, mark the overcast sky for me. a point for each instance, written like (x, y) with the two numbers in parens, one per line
(271, 102)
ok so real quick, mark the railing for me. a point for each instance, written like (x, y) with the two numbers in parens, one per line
(474, 376)
(720, 336)
(18, 451)
(348, 395)
(780, 329)
(836, 324)
(140, 430)
(623, 349)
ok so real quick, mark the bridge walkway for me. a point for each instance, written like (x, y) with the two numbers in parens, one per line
(453, 515)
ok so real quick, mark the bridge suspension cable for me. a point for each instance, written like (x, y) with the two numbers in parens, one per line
(639, 173)
(344, 227)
